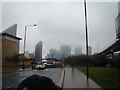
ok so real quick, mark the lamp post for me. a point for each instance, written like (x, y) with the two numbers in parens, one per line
(25, 43)
(87, 67)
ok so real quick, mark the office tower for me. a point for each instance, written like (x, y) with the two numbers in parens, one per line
(58, 55)
(38, 52)
(78, 51)
(65, 51)
(52, 53)
(89, 50)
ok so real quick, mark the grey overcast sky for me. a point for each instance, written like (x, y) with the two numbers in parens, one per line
(62, 23)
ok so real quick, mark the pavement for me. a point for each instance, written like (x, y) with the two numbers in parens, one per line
(12, 80)
(76, 79)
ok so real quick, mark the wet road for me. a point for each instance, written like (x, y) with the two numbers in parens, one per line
(12, 80)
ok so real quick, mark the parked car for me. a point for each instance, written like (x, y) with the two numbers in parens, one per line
(40, 66)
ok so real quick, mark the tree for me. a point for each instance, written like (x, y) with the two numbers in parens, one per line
(82, 60)
(15, 58)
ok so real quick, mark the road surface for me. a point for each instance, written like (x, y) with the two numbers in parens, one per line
(12, 80)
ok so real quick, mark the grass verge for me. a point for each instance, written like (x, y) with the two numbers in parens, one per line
(103, 76)
(10, 68)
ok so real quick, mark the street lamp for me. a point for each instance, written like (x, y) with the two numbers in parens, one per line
(87, 67)
(25, 43)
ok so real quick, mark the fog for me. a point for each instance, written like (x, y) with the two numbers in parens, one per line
(61, 23)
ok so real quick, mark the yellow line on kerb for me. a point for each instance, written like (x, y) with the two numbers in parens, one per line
(61, 79)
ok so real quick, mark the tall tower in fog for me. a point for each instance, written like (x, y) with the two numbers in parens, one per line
(52, 53)
(78, 51)
(65, 51)
(38, 52)
(89, 50)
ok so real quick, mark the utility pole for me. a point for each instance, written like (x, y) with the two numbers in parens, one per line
(24, 48)
(87, 66)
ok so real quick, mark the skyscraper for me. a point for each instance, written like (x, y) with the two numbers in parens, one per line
(58, 55)
(78, 51)
(52, 53)
(65, 51)
(89, 50)
(38, 52)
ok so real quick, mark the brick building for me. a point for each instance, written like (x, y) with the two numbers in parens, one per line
(10, 46)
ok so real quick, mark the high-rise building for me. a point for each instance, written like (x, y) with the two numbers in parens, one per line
(52, 53)
(38, 52)
(78, 51)
(65, 51)
(58, 55)
(89, 50)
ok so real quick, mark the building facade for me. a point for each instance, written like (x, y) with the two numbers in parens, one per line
(10, 47)
(38, 52)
